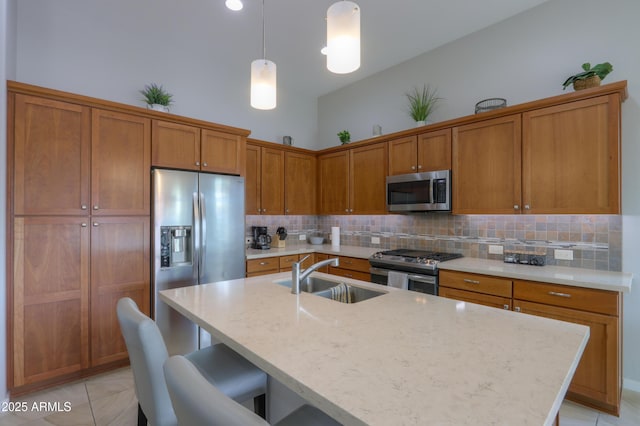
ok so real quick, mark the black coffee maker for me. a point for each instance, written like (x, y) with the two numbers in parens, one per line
(261, 240)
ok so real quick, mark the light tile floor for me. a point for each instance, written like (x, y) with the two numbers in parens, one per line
(109, 399)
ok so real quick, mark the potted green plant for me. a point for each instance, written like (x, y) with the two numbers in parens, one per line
(156, 97)
(345, 136)
(422, 102)
(589, 77)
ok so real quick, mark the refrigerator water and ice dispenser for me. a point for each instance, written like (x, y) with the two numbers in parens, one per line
(175, 246)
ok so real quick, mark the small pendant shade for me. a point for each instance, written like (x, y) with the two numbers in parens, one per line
(343, 37)
(263, 84)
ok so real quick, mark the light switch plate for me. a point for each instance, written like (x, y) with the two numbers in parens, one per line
(563, 254)
(302, 237)
(494, 249)
(375, 240)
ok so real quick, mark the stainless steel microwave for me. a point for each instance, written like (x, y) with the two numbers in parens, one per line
(419, 192)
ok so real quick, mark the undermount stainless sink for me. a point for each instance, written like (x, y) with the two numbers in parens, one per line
(322, 287)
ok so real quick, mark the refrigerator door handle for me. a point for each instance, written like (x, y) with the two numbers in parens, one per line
(196, 236)
(203, 250)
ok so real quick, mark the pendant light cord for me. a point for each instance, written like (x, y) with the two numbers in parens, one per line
(264, 44)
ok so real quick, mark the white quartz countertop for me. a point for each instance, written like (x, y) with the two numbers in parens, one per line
(603, 280)
(403, 358)
(589, 278)
(351, 251)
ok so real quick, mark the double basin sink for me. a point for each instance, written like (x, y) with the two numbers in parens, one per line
(333, 289)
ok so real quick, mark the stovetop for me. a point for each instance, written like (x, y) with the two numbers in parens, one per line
(410, 258)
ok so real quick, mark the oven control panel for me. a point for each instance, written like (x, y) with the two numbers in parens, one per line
(525, 258)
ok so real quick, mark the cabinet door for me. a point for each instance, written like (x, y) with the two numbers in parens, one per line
(571, 158)
(597, 379)
(434, 151)
(333, 183)
(175, 146)
(51, 157)
(368, 176)
(486, 167)
(119, 268)
(479, 298)
(121, 164)
(272, 181)
(403, 156)
(300, 183)
(222, 152)
(252, 180)
(50, 298)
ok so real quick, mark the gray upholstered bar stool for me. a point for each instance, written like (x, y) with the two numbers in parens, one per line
(198, 403)
(218, 364)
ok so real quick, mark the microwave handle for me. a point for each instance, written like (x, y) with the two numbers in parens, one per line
(432, 183)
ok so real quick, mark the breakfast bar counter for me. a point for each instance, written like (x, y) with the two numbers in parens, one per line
(402, 358)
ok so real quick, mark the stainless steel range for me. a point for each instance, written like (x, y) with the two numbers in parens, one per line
(420, 266)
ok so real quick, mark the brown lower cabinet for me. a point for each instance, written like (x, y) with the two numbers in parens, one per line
(67, 278)
(598, 379)
(273, 265)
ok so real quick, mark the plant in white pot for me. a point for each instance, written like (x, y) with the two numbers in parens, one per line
(156, 97)
(422, 102)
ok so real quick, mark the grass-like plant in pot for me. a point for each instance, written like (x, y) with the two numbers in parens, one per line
(156, 97)
(344, 136)
(422, 102)
(589, 77)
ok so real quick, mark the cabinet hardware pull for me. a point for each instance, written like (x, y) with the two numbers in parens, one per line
(506, 307)
(517, 309)
(197, 163)
(419, 166)
(348, 275)
(264, 210)
(83, 207)
(467, 280)
(264, 263)
(555, 293)
(516, 207)
(205, 164)
(527, 207)
(259, 210)
(96, 224)
(96, 207)
(413, 167)
(84, 225)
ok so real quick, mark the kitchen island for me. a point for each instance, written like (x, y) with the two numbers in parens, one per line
(403, 358)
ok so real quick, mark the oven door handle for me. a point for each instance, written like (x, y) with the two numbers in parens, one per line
(422, 279)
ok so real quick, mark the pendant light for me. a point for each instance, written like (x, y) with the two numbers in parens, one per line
(263, 78)
(343, 37)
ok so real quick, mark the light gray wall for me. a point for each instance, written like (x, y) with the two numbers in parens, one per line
(110, 50)
(7, 70)
(521, 59)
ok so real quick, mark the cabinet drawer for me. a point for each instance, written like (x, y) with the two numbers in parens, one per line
(479, 298)
(354, 264)
(262, 265)
(478, 283)
(347, 273)
(286, 261)
(584, 299)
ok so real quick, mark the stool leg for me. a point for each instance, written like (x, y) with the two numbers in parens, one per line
(260, 405)
(142, 418)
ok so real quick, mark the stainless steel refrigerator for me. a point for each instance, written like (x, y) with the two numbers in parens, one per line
(198, 237)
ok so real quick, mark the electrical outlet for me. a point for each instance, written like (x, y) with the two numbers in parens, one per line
(248, 240)
(375, 240)
(302, 237)
(494, 249)
(563, 254)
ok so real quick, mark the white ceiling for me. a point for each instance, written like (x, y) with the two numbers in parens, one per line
(393, 31)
